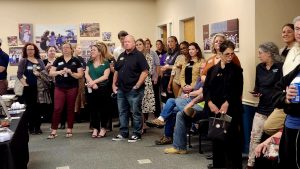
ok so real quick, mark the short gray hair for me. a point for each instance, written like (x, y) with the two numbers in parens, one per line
(296, 19)
(272, 49)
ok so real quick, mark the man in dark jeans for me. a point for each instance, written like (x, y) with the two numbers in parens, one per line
(3, 70)
(131, 70)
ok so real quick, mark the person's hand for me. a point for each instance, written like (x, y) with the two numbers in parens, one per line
(114, 88)
(36, 73)
(224, 107)
(190, 104)
(291, 92)
(48, 66)
(95, 86)
(260, 149)
(187, 89)
(193, 94)
(256, 94)
(91, 83)
(169, 89)
(69, 71)
(61, 72)
(164, 68)
(213, 108)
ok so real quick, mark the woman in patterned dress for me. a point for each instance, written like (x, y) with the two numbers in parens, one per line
(148, 103)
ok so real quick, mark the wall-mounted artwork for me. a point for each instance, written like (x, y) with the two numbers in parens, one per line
(25, 33)
(111, 47)
(15, 54)
(229, 28)
(55, 35)
(89, 30)
(106, 36)
(12, 40)
(86, 48)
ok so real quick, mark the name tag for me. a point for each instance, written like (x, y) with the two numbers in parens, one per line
(60, 63)
(121, 58)
(29, 67)
(275, 70)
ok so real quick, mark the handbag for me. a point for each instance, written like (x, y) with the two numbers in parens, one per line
(218, 127)
(18, 88)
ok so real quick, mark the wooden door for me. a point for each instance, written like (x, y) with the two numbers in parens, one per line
(189, 30)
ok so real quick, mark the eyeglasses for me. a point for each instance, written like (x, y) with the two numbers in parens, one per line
(228, 54)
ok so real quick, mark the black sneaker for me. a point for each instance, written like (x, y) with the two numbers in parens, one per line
(119, 137)
(133, 139)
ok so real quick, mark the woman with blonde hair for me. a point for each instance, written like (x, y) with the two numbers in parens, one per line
(96, 74)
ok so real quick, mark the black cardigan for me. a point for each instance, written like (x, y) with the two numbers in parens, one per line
(280, 94)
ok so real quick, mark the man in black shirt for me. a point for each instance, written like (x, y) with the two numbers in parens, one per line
(131, 69)
(3, 70)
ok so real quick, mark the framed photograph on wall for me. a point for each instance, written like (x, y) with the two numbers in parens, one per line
(12, 41)
(89, 30)
(25, 33)
(86, 48)
(111, 47)
(230, 28)
(15, 55)
(55, 35)
(106, 36)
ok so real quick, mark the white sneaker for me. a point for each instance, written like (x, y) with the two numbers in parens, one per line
(134, 139)
(119, 137)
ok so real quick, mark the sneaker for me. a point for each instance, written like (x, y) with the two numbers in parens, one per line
(164, 141)
(134, 139)
(155, 123)
(174, 151)
(119, 137)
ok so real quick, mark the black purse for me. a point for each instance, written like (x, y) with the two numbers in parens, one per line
(218, 127)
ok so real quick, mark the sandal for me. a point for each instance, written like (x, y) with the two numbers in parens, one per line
(52, 136)
(95, 134)
(102, 133)
(69, 134)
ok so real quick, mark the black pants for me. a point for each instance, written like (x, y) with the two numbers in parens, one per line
(98, 102)
(33, 109)
(289, 153)
(157, 95)
(228, 153)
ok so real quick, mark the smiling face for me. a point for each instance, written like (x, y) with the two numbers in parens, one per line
(94, 52)
(51, 52)
(287, 34)
(139, 46)
(193, 51)
(184, 49)
(30, 50)
(67, 50)
(217, 42)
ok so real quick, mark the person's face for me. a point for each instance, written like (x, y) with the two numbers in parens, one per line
(183, 49)
(129, 43)
(218, 41)
(67, 49)
(30, 51)
(193, 51)
(94, 52)
(227, 55)
(297, 31)
(122, 38)
(147, 45)
(139, 46)
(78, 50)
(158, 46)
(263, 56)
(172, 43)
(51, 52)
(287, 34)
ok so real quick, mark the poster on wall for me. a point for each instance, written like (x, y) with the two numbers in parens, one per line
(12, 40)
(229, 28)
(106, 36)
(25, 33)
(54, 35)
(86, 48)
(15, 54)
(89, 30)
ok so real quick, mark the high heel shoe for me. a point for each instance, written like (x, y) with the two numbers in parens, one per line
(95, 135)
(102, 133)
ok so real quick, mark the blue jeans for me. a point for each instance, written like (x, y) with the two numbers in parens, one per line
(130, 101)
(178, 105)
(179, 138)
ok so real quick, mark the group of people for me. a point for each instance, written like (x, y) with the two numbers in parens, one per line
(191, 87)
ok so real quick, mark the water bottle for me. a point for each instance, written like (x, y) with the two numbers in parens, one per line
(296, 83)
(89, 90)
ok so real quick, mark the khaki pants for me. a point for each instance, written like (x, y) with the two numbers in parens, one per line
(275, 122)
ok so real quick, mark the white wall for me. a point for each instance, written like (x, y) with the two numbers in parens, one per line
(136, 17)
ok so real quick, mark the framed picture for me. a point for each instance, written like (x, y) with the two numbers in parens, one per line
(12, 40)
(25, 33)
(55, 35)
(15, 54)
(106, 36)
(89, 30)
(230, 28)
(111, 47)
(86, 48)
